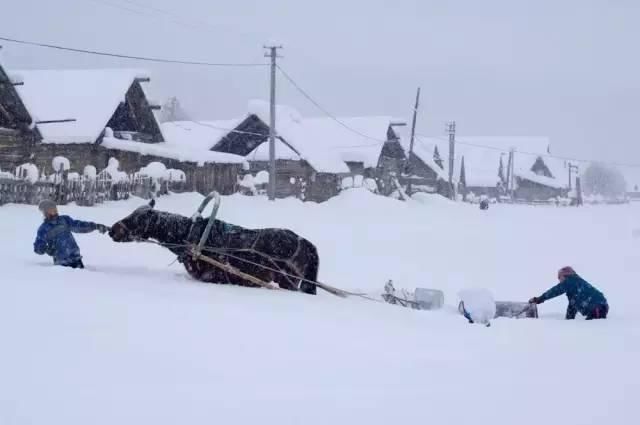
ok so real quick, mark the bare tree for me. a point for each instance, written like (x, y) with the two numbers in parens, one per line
(173, 111)
(600, 179)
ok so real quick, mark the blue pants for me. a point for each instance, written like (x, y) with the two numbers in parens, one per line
(598, 312)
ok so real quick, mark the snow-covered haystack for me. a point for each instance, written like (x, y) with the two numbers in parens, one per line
(261, 178)
(155, 171)
(60, 163)
(29, 172)
(113, 173)
(247, 184)
(90, 172)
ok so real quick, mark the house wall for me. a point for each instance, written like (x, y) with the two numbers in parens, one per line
(492, 192)
(318, 187)
(14, 148)
(531, 191)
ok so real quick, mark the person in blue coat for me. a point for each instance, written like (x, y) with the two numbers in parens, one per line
(583, 297)
(54, 236)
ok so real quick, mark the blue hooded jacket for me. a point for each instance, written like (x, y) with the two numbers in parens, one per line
(55, 239)
(583, 297)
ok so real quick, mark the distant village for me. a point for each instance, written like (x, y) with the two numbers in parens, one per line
(101, 123)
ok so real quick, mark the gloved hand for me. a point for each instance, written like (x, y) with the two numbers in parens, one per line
(534, 300)
(102, 228)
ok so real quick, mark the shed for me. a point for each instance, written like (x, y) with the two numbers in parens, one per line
(423, 165)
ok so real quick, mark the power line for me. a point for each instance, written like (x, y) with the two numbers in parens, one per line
(122, 56)
(322, 109)
(153, 12)
(229, 130)
(545, 155)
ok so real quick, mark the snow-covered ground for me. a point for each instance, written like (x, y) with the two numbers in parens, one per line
(132, 340)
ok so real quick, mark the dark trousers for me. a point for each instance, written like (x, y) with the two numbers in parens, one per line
(598, 312)
(77, 264)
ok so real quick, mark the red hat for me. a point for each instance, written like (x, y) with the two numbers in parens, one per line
(565, 271)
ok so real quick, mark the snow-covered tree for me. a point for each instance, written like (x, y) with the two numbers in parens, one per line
(600, 179)
(437, 158)
(173, 111)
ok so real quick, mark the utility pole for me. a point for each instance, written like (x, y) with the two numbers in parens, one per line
(413, 136)
(571, 168)
(451, 128)
(510, 172)
(273, 54)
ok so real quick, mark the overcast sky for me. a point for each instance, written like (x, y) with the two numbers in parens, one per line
(567, 69)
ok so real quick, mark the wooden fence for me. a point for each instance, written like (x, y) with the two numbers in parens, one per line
(83, 191)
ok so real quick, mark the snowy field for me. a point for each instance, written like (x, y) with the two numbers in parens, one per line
(132, 340)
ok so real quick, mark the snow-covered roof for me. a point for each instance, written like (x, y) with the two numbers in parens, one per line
(167, 150)
(321, 141)
(326, 143)
(90, 96)
(283, 151)
(197, 135)
(482, 158)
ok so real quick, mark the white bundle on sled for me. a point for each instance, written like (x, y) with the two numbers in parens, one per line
(477, 305)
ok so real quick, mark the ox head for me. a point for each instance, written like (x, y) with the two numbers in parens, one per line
(132, 228)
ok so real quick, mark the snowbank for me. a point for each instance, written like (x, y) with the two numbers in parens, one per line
(60, 163)
(29, 172)
(133, 339)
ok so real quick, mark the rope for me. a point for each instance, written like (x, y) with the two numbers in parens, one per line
(225, 252)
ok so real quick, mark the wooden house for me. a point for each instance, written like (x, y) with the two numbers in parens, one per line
(423, 166)
(17, 130)
(89, 116)
(484, 163)
(313, 155)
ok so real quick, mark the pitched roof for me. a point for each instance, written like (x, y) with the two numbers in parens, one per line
(326, 143)
(90, 96)
(10, 100)
(423, 148)
(321, 141)
(482, 158)
(197, 135)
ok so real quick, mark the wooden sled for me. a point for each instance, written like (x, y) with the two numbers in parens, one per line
(516, 310)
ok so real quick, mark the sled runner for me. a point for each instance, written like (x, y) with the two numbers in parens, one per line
(421, 299)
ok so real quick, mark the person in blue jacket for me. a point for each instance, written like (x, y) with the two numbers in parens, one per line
(54, 236)
(583, 297)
